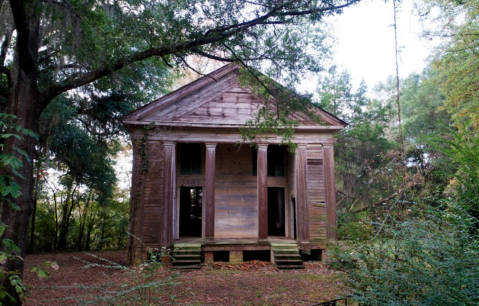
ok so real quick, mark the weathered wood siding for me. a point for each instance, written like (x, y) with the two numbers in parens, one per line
(316, 195)
(234, 106)
(185, 108)
(152, 192)
(236, 211)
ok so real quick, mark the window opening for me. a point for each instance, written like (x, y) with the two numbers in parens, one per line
(275, 160)
(190, 158)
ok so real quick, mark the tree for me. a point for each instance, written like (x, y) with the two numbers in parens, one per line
(456, 60)
(51, 47)
(362, 146)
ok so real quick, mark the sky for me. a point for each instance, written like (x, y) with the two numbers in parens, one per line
(365, 41)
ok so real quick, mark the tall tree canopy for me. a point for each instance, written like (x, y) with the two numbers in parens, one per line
(51, 47)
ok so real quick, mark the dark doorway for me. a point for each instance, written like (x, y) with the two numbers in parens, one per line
(276, 211)
(191, 199)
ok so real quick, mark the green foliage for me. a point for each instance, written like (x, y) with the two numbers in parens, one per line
(464, 184)
(457, 60)
(10, 163)
(362, 147)
(427, 260)
(93, 225)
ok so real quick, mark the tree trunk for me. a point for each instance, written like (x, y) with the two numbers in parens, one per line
(35, 201)
(23, 103)
(66, 216)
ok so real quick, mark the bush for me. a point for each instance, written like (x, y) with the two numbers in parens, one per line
(432, 260)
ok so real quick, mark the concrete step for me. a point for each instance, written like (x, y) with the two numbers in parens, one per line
(187, 252)
(285, 251)
(286, 256)
(187, 256)
(191, 267)
(289, 267)
(284, 246)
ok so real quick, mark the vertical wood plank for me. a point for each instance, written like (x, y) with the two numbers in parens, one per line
(302, 194)
(168, 193)
(209, 192)
(262, 177)
(330, 192)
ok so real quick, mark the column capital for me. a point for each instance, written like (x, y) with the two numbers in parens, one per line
(210, 145)
(169, 143)
(262, 145)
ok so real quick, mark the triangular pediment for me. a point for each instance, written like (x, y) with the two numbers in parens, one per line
(213, 100)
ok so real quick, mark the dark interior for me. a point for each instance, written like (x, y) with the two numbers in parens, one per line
(257, 255)
(276, 211)
(191, 199)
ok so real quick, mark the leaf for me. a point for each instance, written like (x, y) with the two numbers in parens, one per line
(10, 245)
(42, 274)
(2, 228)
(3, 258)
(11, 135)
(18, 289)
(14, 206)
(55, 266)
(30, 133)
(22, 152)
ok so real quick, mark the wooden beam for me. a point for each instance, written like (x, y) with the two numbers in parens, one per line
(168, 193)
(262, 177)
(209, 192)
(330, 192)
(302, 194)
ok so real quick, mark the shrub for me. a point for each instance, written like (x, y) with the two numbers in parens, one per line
(432, 260)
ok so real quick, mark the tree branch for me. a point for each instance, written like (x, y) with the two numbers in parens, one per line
(221, 34)
(196, 71)
(56, 89)
(256, 77)
(211, 56)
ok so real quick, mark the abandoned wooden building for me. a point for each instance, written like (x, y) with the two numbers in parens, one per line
(197, 189)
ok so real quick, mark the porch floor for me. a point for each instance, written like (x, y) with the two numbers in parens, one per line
(208, 241)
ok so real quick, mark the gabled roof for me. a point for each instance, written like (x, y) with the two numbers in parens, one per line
(216, 100)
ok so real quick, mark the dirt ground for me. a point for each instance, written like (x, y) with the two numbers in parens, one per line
(250, 283)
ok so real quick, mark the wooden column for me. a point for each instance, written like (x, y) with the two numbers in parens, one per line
(330, 192)
(168, 193)
(302, 194)
(262, 176)
(209, 192)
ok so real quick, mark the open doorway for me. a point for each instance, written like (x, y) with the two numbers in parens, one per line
(276, 212)
(191, 199)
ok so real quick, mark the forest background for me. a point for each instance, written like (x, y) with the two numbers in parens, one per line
(408, 156)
